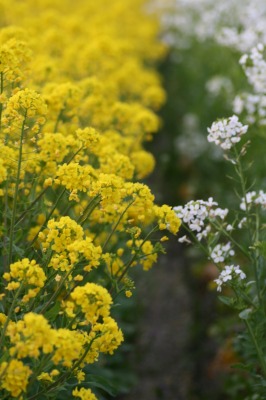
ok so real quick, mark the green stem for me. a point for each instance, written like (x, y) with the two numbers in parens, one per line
(116, 225)
(48, 217)
(254, 256)
(89, 209)
(11, 309)
(53, 297)
(1, 91)
(5, 260)
(11, 234)
(43, 192)
(22, 215)
(60, 115)
(222, 230)
(127, 266)
(256, 260)
(257, 347)
(65, 375)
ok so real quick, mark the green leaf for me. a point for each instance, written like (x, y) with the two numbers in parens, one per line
(226, 300)
(245, 313)
(101, 383)
(53, 312)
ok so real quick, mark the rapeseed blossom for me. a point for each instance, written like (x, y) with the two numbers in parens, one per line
(78, 99)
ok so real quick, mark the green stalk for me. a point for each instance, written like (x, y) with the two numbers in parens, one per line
(53, 297)
(11, 234)
(20, 218)
(1, 91)
(60, 115)
(11, 309)
(89, 209)
(254, 257)
(116, 225)
(48, 217)
(257, 347)
(5, 261)
(127, 266)
(65, 375)
(43, 192)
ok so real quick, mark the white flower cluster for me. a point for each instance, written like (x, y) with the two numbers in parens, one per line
(233, 23)
(254, 105)
(197, 214)
(219, 84)
(226, 132)
(253, 198)
(230, 272)
(255, 68)
(191, 144)
(221, 252)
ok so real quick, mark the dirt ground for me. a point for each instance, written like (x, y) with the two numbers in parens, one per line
(162, 363)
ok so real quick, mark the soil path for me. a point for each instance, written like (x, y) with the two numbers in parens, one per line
(162, 361)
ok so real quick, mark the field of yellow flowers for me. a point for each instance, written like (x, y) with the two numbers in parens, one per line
(78, 99)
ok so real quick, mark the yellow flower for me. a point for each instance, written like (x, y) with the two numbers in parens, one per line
(92, 300)
(28, 273)
(15, 377)
(29, 336)
(167, 218)
(44, 376)
(24, 106)
(84, 394)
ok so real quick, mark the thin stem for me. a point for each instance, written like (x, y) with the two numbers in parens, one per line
(66, 374)
(222, 230)
(48, 217)
(5, 260)
(53, 297)
(258, 349)
(127, 266)
(116, 225)
(22, 215)
(11, 234)
(1, 91)
(256, 260)
(43, 191)
(89, 209)
(254, 256)
(11, 309)
(58, 119)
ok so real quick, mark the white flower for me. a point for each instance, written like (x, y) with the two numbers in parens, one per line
(253, 198)
(184, 239)
(242, 222)
(226, 132)
(230, 272)
(196, 215)
(220, 252)
(254, 66)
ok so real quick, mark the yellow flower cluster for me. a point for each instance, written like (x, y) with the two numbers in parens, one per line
(84, 394)
(28, 276)
(16, 376)
(92, 300)
(78, 99)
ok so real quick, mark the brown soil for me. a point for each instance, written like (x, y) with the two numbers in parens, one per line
(162, 363)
